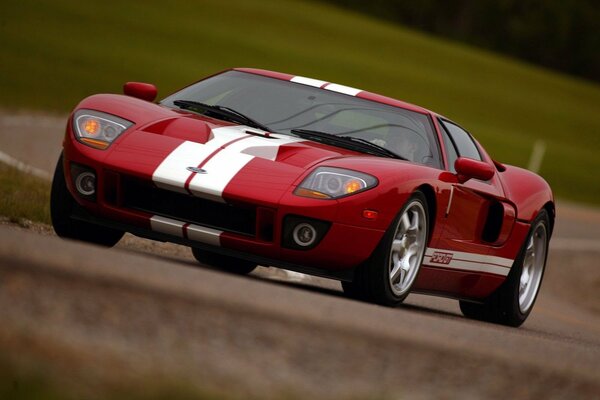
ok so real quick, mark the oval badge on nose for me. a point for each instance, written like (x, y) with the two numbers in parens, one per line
(196, 170)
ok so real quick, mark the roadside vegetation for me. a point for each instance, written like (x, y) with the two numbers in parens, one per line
(568, 29)
(54, 53)
(23, 197)
(26, 384)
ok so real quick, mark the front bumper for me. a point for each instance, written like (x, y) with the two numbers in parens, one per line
(342, 274)
(244, 228)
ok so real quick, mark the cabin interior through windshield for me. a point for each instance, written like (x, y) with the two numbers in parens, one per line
(283, 106)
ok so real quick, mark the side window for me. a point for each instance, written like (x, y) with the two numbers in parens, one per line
(465, 146)
(450, 150)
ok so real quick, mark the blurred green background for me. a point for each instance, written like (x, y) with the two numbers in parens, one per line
(54, 53)
(559, 34)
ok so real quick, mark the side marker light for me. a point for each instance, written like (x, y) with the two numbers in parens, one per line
(370, 214)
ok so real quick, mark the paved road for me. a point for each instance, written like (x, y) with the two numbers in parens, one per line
(121, 316)
(33, 138)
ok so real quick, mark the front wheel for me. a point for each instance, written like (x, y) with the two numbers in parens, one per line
(513, 301)
(222, 262)
(389, 275)
(62, 205)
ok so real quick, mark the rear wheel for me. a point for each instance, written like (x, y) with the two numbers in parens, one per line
(389, 275)
(222, 262)
(62, 205)
(514, 299)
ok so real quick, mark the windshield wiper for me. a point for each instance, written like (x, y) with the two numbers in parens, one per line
(353, 143)
(228, 113)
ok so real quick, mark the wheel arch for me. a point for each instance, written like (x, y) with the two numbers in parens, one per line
(429, 194)
(551, 210)
(529, 192)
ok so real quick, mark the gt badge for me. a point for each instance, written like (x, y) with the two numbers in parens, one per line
(441, 258)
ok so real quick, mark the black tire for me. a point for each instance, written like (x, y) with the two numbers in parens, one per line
(62, 205)
(226, 263)
(373, 280)
(508, 305)
(352, 290)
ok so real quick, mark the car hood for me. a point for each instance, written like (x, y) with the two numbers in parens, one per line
(216, 160)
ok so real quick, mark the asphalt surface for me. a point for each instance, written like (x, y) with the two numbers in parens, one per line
(144, 311)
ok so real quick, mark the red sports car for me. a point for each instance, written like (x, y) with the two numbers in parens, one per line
(255, 167)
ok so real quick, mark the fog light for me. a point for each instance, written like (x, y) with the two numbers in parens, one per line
(86, 183)
(304, 234)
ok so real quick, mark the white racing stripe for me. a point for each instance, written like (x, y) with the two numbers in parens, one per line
(222, 157)
(220, 170)
(458, 260)
(172, 173)
(334, 87)
(308, 81)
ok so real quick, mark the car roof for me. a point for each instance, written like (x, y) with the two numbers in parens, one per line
(363, 94)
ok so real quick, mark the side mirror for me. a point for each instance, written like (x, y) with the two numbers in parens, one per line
(144, 91)
(467, 168)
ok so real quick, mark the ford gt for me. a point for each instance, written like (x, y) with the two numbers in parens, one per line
(252, 167)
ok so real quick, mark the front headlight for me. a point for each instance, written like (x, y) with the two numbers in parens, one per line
(332, 183)
(98, 129)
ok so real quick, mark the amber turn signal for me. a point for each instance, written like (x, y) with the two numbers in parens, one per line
(353, 186)
(91, 126)
(95, 143)
(300, 191)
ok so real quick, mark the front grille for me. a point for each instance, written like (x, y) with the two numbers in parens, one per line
(142, 196)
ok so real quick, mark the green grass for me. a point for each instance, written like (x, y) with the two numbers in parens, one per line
(56, 52)
(23, 196)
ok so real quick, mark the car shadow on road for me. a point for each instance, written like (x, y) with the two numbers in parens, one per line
(311, 285)
(338, 293)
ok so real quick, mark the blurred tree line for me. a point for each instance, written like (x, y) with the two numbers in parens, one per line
(559, 34)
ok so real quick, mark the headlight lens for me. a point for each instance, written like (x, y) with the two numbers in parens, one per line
(98, 129)
(332, 183)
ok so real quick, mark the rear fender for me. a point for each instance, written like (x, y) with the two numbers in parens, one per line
(529, 192)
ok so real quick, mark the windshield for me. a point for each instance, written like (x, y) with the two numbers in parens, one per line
(283, 106)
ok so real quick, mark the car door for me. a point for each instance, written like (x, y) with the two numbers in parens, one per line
(477, 216)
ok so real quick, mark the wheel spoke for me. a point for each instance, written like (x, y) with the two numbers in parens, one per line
(404, 269)
(405, 222)
(396, 271)
(524, 278)
(529, 253)
(527, 264)
(415, 223)
(402, 277)
(414, 247)
(398, 245)
(406, 262)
